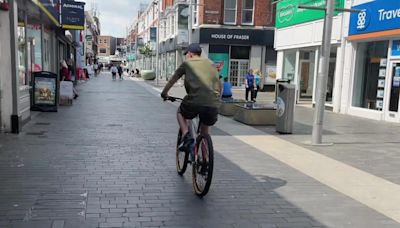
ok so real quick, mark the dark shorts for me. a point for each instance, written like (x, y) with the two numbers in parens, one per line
(208, 115)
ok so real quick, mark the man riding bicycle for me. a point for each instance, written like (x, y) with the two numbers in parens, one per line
(203, 92)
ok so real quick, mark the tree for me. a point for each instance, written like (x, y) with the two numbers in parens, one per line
(146, 50)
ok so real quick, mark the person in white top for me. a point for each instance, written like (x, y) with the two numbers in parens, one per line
(114, 71)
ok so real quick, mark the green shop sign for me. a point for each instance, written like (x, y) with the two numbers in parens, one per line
(288, 13)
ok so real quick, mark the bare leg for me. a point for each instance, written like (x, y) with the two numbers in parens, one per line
(204, 130)
(182, 123)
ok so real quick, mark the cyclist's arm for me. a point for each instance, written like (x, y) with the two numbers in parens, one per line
(178, 74)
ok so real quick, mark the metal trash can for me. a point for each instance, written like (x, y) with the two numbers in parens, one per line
(285, 108)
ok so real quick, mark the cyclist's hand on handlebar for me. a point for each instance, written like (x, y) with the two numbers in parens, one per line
(164, 96)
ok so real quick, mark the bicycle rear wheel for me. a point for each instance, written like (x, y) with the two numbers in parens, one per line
(181, 157)
(203, 166)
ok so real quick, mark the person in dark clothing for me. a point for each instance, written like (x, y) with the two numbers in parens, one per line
(250, 85)
(120, 71)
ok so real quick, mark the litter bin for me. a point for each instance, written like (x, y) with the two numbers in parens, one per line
(285, 107)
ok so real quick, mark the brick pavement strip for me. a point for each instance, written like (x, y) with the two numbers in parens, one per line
(108, 161)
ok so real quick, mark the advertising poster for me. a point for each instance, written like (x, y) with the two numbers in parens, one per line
(381, 83)
(45, 91)
(270, 75)
(183, 23)
(379, 104)
(380, 93)
(33, 33)
(382, 72)
(221, 62)
(396, 81)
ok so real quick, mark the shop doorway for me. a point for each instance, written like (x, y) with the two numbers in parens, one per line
(393, 102)
(238, 71)
(306, 76)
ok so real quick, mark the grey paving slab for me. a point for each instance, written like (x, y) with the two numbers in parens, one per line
(108, 161)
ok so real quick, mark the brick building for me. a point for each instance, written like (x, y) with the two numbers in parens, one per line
(106, 46)
(236, 34)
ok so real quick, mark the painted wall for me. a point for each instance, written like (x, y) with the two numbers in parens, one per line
(5, 72)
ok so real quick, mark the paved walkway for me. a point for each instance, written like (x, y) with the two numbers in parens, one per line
(108, 161)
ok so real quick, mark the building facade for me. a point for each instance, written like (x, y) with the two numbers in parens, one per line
(237, 35)
(32, 40)
(371, 77)
(107, 45)
(298, 41)
(91, 36)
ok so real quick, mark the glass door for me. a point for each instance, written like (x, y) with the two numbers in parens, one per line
(238, 71)
(306, 76)
(392, 108)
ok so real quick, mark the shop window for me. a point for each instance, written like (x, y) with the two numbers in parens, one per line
(370, 70)
(240, 52)
(270, 55)
(247, 12)
(34, 36)
(195, 10)
(289, 65)
(230, 11)
(22, 68)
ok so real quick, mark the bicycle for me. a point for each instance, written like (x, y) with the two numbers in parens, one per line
(203, 164)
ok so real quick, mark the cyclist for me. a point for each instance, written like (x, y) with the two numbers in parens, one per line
(203, 92)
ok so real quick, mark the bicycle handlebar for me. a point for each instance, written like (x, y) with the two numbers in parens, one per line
(172, 99)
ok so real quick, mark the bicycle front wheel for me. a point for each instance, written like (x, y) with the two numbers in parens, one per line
(203, 166)
(181, 157)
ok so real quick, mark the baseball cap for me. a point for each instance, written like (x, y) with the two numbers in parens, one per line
(194, 48)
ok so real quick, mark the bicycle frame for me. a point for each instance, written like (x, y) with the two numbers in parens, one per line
(194, 129)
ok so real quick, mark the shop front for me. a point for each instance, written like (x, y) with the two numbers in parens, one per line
(235, 51)
(374, 85)
(298, 41)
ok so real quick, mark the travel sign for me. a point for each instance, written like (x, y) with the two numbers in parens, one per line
(376, 16)
(288, 13)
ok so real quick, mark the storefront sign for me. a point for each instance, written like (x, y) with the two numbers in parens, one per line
(376, 16)
(396, 48)
(288, 13)
(236, 36)
(73, 15)
(51, 8)
(221, 62)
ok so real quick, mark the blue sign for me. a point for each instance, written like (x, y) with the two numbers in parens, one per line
(376, 16)
(73, 15)
(153, 34)
(396, 48)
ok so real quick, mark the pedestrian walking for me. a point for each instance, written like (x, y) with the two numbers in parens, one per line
(257, 78)
(114, 71)
(96, 69)
(250, 85)
(120, 71)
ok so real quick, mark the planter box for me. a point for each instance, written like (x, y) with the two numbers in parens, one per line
(148, 74)
(228, 106)
(256, 114)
